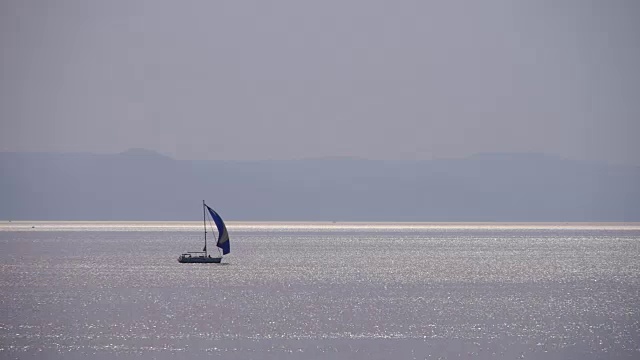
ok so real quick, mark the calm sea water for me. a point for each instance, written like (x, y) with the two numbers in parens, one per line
(321, 291)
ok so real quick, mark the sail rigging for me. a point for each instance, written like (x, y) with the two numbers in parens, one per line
(204, 220)
(223, 235)
(222, 243)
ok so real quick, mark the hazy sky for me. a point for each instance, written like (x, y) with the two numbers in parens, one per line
(292, 79)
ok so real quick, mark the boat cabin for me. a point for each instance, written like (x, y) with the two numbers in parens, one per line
(194, 254)
(198, 257)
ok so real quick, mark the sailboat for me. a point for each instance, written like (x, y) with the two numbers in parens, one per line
(222, 243)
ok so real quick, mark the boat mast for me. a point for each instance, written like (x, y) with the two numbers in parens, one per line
(204, 221)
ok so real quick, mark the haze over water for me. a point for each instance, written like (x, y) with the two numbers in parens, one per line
(321, 290)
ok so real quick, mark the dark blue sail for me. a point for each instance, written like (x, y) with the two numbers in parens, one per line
(223, 235)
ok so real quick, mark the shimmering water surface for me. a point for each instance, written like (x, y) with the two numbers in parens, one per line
(321, 290)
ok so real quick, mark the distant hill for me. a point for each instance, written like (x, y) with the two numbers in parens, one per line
(143, 185)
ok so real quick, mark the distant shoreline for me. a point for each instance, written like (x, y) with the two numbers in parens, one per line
(19, 225)
(332, 222)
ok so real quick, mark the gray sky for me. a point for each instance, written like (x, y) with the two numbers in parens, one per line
(293, 79)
